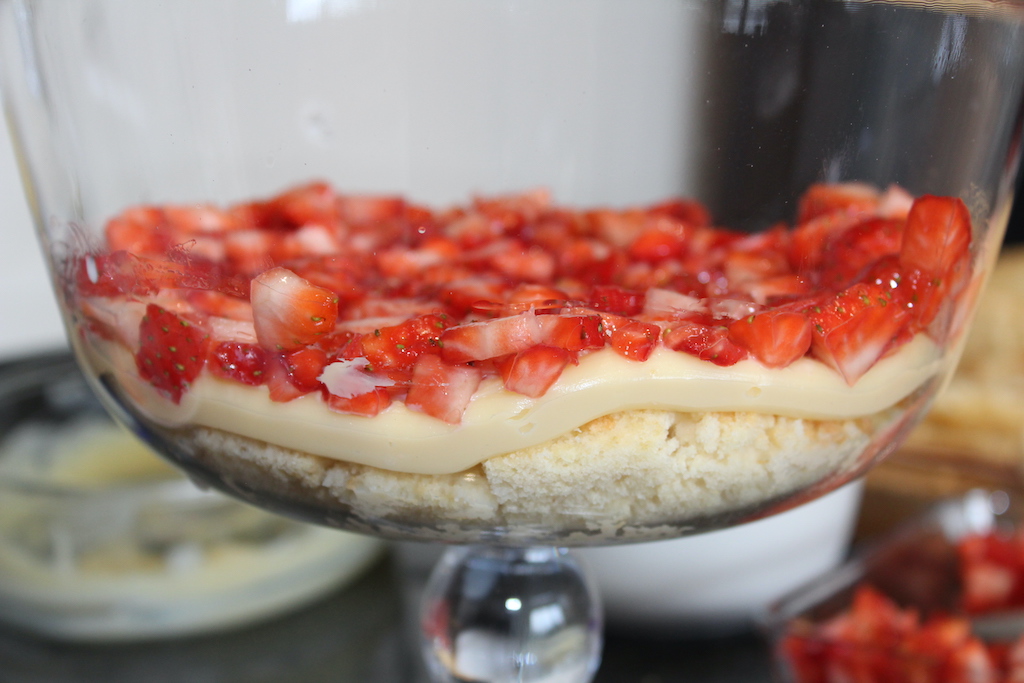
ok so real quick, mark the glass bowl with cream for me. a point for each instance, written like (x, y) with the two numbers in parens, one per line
(102, 541)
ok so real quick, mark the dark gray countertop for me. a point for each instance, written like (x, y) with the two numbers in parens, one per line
(357, 634)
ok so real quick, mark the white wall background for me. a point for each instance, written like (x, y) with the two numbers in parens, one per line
(29, 321)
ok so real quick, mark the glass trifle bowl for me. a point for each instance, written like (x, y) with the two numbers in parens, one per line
(517, 275)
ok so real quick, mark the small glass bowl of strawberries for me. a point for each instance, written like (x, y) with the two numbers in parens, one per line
(938, 600)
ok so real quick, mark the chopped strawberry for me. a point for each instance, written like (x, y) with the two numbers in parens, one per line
(660, 240)
(245, 363)
(369, 209)
(937, 239)
(823, 199)
(850, 253)
(367, 404)
(304, 367)
(490, 338)
(397, 347)
(289, 311)
(312, 203)
(776, 338)
(612, 299)
(279, 385)
(635, 340)
(854, 329)
(522, 263)
(534, 296)
(571, 332)
(141, 231)
(171, 352)
(533, 371)
(705, 340)
(440, 389)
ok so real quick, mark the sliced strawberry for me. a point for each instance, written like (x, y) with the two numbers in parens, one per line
(279, 385)
(490, 338)
(141, 230)
(440, 389)
(854, 329)
(776, 338)
(660, 240)
(312, 203)
(397, 347)
(850, 253)
(821, 199)
(522, 263)
(245, 363)
(612, 299)
(171, 352)
(571, 332)
(304, 367)
(635, 340)
(537, 297)
(289, 311)
(368, 404)
(370, 209)
(705, 340)
(533, 371)
(937, 239)
(808, 240)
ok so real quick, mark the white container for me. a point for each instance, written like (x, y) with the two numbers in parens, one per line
(723, 580)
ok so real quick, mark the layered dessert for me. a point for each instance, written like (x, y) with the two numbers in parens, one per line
(511, 363)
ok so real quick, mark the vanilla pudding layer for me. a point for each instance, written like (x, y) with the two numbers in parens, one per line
(498, 422)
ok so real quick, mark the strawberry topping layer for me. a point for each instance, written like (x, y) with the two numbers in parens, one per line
(366, 301)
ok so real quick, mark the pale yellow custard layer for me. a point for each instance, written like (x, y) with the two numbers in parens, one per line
(498, 421)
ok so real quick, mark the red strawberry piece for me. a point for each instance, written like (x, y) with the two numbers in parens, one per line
(249, 251)
(534, 296)
(219, 304)
(855, 328)
(821, 199)
(691, 212)
(440, 389)
(809, 239)
(140, 230)
(279, 383)
(778, 289)
(937, 240)
(312, 203)
(490, 338)
(397, 347)
(522, 263)
(245, 363)
(462, 295)
(367, 404)
(705, 340)
(370, 209)
(533, 371)
(776, 338)
(660, 240)
(199, 219)
(612, 299)
(571, 332)
(407, 262)
(635, 340)
(304, 367)
(289, 311)
(850, 253)
(171, 352)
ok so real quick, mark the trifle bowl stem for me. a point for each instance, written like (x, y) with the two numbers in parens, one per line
(497, 615)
